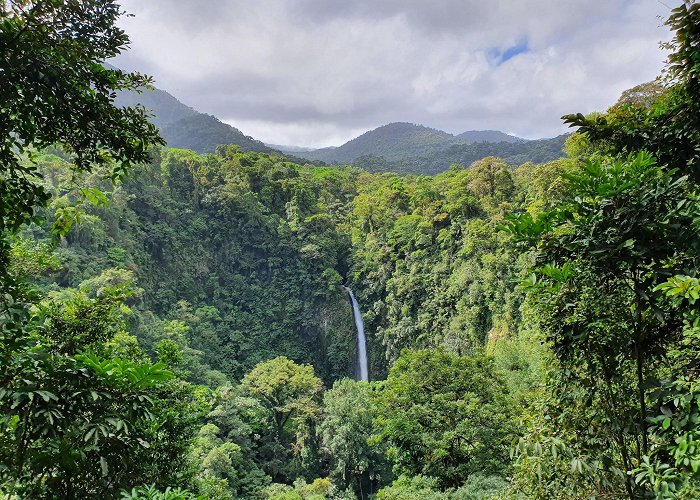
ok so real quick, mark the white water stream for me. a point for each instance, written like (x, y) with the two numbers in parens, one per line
(361, 372)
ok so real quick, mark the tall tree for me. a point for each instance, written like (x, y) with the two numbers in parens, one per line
(55, 89)
(292, 395)
(345, 431)
(615, 236)
(287, 389)
(444, 416)
(625, 235)
(76, 419)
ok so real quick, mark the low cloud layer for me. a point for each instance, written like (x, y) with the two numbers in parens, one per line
(318, 72)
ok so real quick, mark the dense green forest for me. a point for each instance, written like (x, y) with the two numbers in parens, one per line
(173, 325)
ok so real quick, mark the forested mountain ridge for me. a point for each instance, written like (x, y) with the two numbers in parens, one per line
(184, 127)
(203, 133)
(391, 141)
(410, 148)
(488, 136)
(164, 108)
(514, 153)
(395, 147)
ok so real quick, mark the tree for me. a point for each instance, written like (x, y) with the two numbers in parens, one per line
(424, 488)
(665, 123)
(490, 178)
(345, 431)
(444, 416)
(153, 493)
(642, 95)
(185, 173)
(74, 418)
(290, 391)
(626, 230)
(241, 422)
(292, 394)
(79, 422)
(55, 89)
(615, 235)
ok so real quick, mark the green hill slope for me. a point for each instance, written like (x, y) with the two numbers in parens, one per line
(185, 128)
(487, 136)
(408, 148)
(394, 141)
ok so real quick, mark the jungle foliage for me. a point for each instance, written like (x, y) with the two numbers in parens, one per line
(183, 333)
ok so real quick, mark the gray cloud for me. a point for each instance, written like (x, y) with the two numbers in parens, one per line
(317, 72)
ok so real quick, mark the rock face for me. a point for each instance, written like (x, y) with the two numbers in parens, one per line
(337, 335)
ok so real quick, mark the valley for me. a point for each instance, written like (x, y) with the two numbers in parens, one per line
(189, 313)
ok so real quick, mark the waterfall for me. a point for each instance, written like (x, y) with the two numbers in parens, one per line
(361, 372)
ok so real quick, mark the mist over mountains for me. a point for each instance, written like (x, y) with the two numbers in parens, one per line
(399, 147)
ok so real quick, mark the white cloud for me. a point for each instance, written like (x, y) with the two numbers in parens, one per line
(318, 72)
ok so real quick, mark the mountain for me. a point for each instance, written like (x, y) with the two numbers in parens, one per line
(399, 147)
(409, 148)
(203, 133)
(165, 108)
(394, 141)
(471, 136)
(514, 153)
(184, 127)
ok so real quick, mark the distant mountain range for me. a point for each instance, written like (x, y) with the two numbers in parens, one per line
(436, 161)
(410, 148)
(397, 147)
(395, 141)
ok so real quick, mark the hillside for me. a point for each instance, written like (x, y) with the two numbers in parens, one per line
(487, 136)
(399, 147)
(513, 153)
(408, 148)
(394, 141)
(235, 258)
(241, 325)
(203, 133)
(166, 109)
(184, 127)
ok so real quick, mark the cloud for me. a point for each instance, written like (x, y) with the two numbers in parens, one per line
(317, 72)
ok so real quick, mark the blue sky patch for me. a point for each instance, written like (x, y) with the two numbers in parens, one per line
(499, 56)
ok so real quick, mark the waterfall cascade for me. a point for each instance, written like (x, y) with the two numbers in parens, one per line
(361, 372)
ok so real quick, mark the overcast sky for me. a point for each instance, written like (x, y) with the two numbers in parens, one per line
(320, 72)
